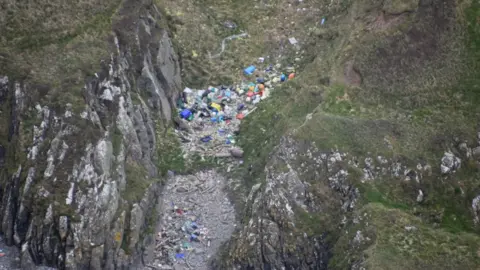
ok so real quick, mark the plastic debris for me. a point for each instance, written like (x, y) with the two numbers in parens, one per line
(249, 70)
(230, 25)
(185, 114)
(293, 41)
(206, 139)
(180, 256)
(212, 115)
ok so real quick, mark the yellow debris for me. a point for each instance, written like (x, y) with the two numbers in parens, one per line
(216, 106)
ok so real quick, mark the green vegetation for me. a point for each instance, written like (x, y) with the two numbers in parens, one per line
(401, 241)
(169, 152)
(56, 46)
(117, 140)
(137, 182)
(410, 112)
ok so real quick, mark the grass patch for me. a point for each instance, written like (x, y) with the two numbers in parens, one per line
(426, 247)
(337, 101)
(392, 246)
(117, 140)
(373, 195)
(137, 182)
(56, 46)
(262, 130)
(169, 152)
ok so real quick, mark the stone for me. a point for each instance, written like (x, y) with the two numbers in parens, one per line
(476, 152)
(449, 163)
(107, 95)
(420, 196)
(181, 190)
(476, 209)
(236, 152)
(182, 124)
(410, 228)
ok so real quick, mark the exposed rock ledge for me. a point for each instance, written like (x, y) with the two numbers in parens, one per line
(77, 193)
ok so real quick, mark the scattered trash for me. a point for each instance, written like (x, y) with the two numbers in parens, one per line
(206, 139)
(185, 114)
(249, 70)
(223, 44)
(180, 256)
(210, 117)
(323, 21)
(293, 41)
(230, 25)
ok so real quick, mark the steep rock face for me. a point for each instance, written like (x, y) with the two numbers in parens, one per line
(304, 188)
(78, 189)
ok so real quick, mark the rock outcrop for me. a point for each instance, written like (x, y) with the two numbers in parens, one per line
(77, 189)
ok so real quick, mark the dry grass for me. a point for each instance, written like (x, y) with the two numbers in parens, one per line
(55, 45)
(200, 31)
(21, 19)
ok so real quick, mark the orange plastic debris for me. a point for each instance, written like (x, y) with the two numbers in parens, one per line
(291, 76)
(250, 94)
(261, 87)
(240, 116)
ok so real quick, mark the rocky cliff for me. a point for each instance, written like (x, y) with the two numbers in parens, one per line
(80, 148)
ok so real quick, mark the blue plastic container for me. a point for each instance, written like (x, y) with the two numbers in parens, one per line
(249, 70)
(206, 139)
(185, 114)
(283, 77)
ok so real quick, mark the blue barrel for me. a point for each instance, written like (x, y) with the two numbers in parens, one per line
(283, 77)
(249, 70)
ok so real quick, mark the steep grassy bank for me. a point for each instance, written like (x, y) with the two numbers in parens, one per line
(401, 86)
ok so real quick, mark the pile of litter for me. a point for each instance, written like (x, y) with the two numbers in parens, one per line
(196, 216)
(196, 219)
(210, 118)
